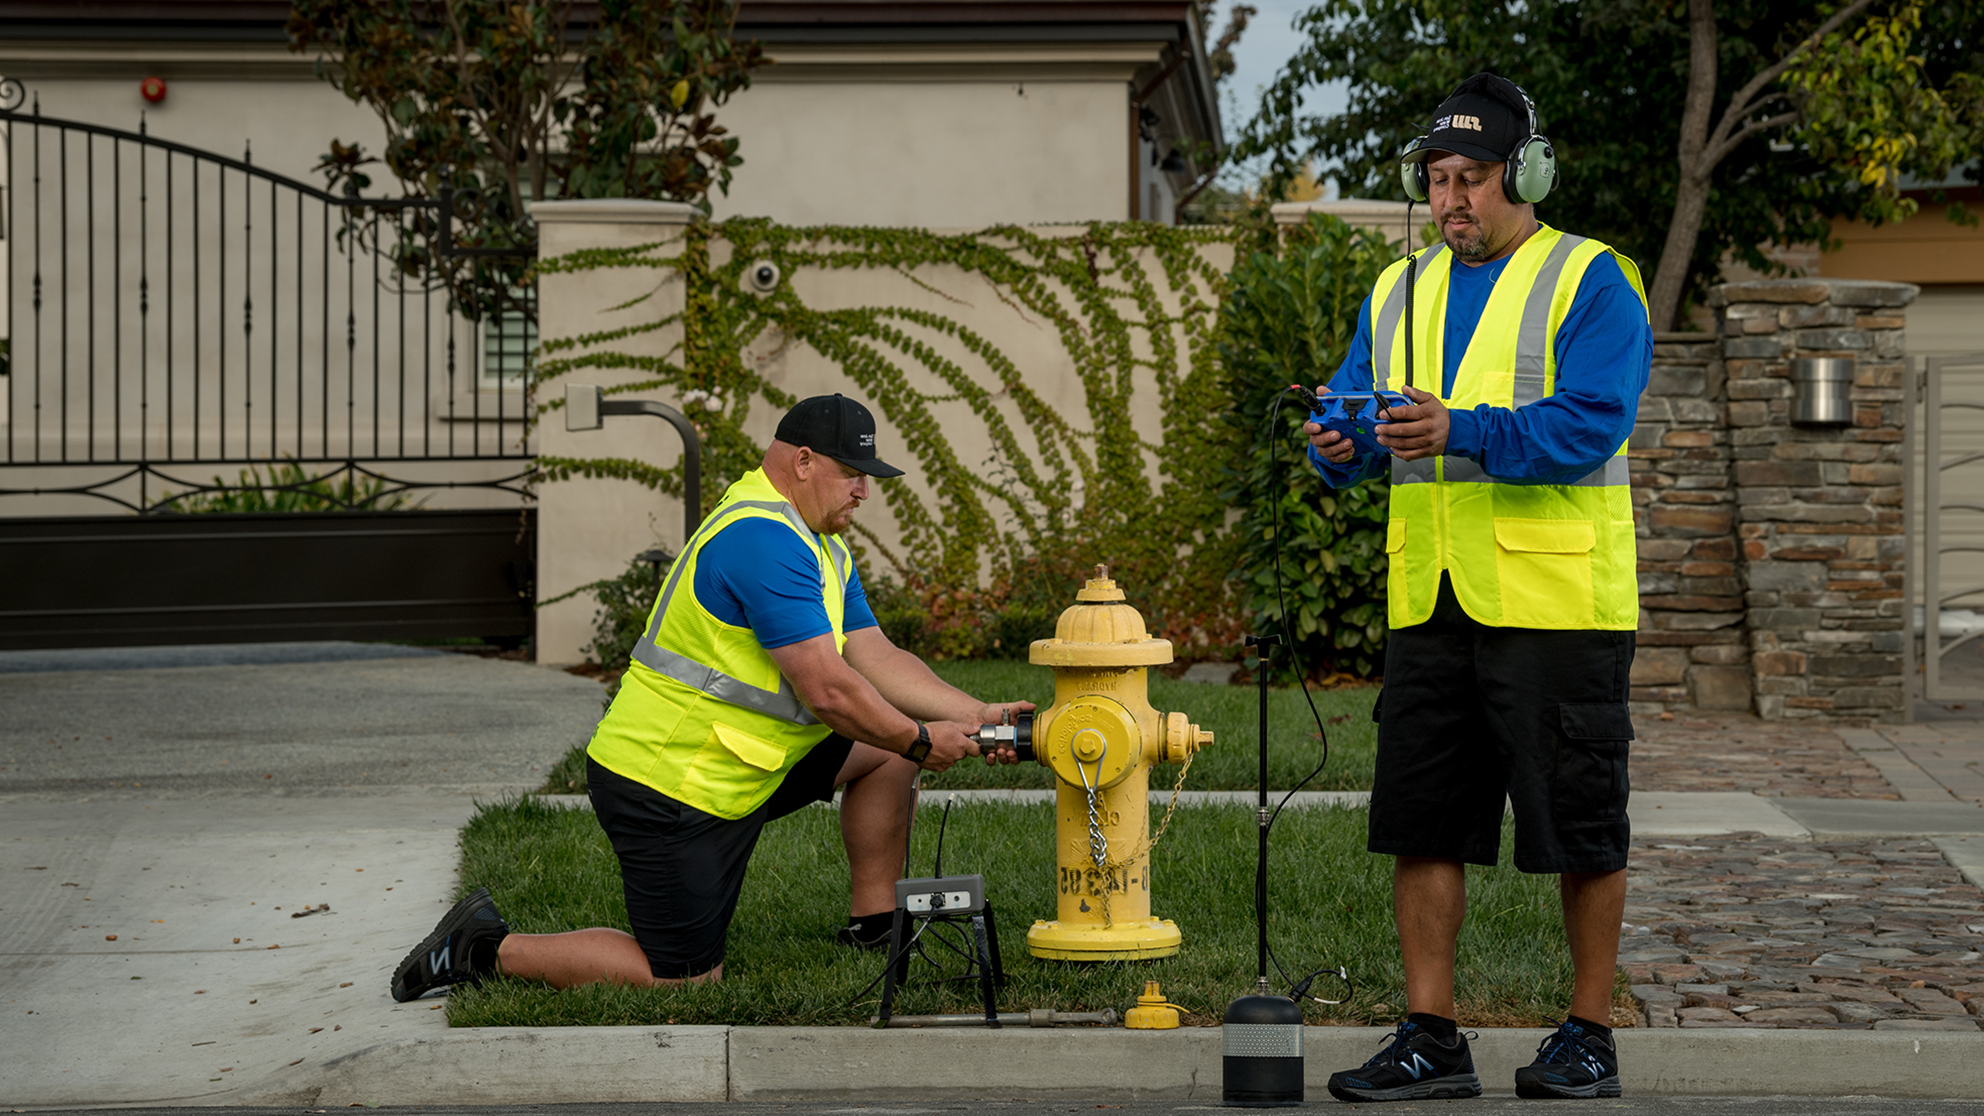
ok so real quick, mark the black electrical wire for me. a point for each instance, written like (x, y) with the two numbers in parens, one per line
(1297, 989)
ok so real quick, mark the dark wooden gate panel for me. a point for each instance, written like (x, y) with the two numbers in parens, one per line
(129, 580)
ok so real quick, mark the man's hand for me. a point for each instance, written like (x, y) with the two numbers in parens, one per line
(949, 743)
(1334, 447)
(1002, 713)
(1416, 431)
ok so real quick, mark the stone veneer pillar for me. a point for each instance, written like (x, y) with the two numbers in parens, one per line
(1771, 555)
(1691, 648)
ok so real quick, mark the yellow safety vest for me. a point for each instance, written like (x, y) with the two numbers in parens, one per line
(1556, 556)
(703, 715)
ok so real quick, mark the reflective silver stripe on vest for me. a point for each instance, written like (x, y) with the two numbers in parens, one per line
(1464, 470)
(784, 704)
(1388, 316)
(1533, 335)
(1413, 472)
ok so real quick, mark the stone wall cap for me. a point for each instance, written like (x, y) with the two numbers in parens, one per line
(1816, 289)
(613, 211)
(1294, 213)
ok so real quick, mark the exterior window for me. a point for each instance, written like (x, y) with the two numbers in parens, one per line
(508, 340)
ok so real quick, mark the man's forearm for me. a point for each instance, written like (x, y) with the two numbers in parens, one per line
(909, 684)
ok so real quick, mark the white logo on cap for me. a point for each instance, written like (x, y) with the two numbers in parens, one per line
(868, 440)
(1470, 123)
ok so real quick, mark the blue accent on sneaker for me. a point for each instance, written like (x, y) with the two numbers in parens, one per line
(1572, 1061)
(1415, 1066)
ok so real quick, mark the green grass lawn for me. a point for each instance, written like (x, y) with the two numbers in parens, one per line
(1231, 712)
(551, 870)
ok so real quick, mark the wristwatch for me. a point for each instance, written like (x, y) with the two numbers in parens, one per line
(919, 749)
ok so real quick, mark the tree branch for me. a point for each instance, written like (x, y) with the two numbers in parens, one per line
(1722, 150)
(1742, 103)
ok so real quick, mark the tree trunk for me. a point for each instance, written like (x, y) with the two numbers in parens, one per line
(1683, 229)
(1701, 148)
(1691, 189)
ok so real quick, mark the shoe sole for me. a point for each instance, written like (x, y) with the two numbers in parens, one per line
(1459, 1086)
(1538, 1090)
(411, 968)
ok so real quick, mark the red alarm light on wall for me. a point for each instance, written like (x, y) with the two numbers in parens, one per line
(152, 89)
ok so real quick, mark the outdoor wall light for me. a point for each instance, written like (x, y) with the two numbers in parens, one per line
(1821, 391)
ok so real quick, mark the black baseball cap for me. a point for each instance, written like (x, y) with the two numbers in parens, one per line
(838, 427)
(1484, 118)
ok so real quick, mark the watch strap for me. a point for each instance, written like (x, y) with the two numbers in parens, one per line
(919, 749)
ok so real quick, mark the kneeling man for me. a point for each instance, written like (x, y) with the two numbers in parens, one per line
(762, 684)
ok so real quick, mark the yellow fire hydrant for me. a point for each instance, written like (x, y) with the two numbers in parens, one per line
(1101, 737)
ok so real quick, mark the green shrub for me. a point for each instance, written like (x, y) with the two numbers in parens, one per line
(1290, 319)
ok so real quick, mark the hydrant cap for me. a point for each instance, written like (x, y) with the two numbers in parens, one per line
(1098, 631)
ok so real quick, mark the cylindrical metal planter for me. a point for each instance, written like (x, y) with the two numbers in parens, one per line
(1821, 391)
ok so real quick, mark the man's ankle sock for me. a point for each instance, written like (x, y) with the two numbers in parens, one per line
(1439, 1026)
(1599, 1029)
(482, 955)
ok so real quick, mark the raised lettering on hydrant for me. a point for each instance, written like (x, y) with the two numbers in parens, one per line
(1102, 737)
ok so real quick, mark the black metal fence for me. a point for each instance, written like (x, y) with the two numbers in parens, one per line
(169, 310)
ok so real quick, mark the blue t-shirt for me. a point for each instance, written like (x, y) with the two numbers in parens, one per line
(758, 574)
(1604, 355)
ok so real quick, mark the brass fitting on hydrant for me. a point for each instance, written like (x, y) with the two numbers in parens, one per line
(1101, 738)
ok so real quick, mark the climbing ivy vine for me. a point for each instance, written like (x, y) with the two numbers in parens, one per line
(996, 549)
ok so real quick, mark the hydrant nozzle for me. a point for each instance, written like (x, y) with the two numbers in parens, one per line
(1101, 737)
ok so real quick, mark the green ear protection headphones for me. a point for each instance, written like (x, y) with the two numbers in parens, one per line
(1529, 172)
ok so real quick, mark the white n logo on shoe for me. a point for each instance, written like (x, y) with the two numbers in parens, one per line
(1418, 1065)
(438, 961)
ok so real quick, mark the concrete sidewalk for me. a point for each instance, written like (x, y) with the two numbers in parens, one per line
(188, 799)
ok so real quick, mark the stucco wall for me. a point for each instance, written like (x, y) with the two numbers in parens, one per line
(931, 153)
(591, 529)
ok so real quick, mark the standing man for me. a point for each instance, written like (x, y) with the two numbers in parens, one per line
(1512, 594)
(763, 684)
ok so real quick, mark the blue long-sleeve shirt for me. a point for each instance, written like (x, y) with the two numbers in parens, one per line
(1604, 354)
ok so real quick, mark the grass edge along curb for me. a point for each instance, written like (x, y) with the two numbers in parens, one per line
(552, 870)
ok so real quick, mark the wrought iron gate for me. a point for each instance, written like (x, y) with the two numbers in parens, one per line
(189, 332)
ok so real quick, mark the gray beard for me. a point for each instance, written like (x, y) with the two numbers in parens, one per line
(1476, 249)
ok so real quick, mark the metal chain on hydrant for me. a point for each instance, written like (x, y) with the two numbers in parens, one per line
(1108, 868)
(1098, 843)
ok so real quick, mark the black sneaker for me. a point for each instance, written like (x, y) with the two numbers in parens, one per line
(448, 956)
(1572, 1062)
(1416, 1066)
(870, 932)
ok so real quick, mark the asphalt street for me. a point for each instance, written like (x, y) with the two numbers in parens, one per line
(1484, 1106)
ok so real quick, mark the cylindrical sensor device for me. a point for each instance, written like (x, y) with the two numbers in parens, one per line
(1018, 736)
(1262, 1066)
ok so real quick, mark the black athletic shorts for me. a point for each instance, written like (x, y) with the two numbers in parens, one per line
(682, 869)
(1471, 713)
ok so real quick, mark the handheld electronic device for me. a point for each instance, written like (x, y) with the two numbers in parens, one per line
(1353, 414)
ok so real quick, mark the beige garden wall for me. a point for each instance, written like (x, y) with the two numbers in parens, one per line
(590, 529)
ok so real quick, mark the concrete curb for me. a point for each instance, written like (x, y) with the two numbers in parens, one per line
(523, 1065)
